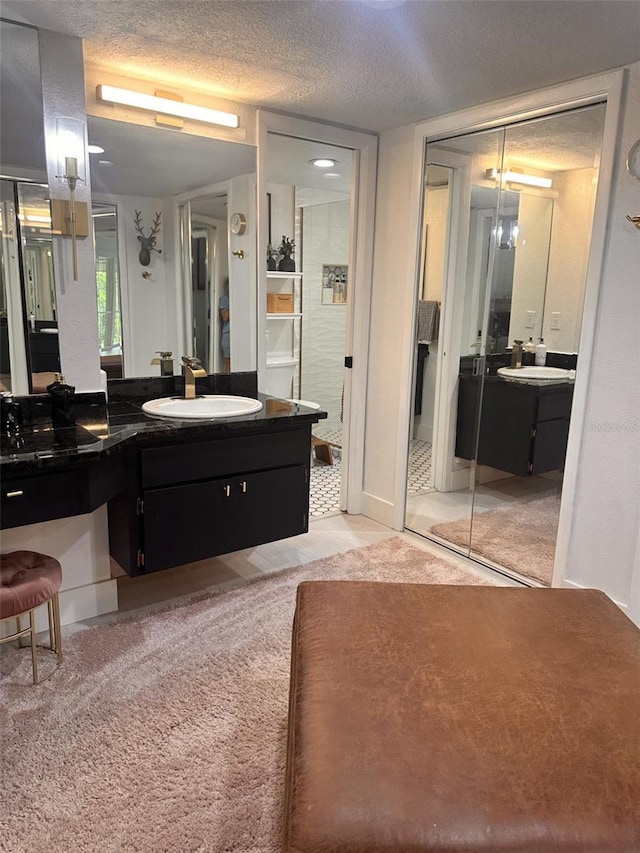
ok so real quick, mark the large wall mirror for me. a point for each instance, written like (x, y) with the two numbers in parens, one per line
(506, 235)
(29, 352)
(179, 192)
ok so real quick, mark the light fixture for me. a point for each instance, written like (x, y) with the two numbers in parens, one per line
(164, 106)
(70, 219)
(95, 149)
(323, 163)
(512, 176)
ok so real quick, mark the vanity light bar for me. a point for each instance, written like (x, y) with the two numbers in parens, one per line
(519, 178)
(115, 95)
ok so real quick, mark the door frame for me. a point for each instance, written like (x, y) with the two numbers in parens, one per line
(608, 87)
(363, 191)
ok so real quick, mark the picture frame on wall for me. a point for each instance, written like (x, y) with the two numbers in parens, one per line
(334, 284)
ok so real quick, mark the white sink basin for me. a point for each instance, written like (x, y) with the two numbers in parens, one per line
(546, 374)
(205, 408)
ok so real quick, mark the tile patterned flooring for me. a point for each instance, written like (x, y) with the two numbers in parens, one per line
(324, 497)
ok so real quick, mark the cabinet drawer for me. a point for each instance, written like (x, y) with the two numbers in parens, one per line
(183, 524)
(555, 405)
(28, 500)
(184, 463)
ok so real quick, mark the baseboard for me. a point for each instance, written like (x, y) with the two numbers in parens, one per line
(83, 602)
(573, 585)
(424, 432)
(378, 509)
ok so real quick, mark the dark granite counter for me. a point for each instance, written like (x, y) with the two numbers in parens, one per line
(106, 427)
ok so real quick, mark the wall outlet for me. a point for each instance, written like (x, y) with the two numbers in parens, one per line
(555, 320)
(531, 320)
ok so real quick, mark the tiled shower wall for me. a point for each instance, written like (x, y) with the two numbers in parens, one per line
(325, 241)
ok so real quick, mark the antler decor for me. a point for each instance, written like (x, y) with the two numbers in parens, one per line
(148, 242)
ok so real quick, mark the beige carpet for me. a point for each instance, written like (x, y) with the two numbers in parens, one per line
(167, 732)
(521, 537)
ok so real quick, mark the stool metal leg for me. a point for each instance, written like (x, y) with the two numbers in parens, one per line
(52, 644)
(34, 661)
(57, 629)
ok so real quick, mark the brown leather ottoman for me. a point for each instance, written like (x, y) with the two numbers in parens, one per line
(452, 718)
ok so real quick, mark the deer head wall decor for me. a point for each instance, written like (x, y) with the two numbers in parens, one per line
(148, 242)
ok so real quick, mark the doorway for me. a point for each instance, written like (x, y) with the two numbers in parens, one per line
(506, 229)
(309, 194)
(315, 190)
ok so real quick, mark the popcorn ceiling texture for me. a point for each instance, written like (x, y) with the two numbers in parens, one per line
(365, 64)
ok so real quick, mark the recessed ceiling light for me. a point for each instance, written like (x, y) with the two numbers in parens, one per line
(323, 163)
(331, 175)
(95, 149)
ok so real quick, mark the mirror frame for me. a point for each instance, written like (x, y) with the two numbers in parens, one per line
(606, 87)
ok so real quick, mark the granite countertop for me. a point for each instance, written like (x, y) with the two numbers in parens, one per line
(103, 428)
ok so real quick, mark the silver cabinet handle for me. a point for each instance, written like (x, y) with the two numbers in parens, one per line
(243, 486)
(18, 493)
(227, 491)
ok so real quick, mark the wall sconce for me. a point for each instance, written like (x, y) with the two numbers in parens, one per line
(511, 176)
(70, 218)
(506, 232)
(164, 104)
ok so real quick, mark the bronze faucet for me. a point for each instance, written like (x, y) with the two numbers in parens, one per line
(165, 361)
(516, 354)
(192, 368)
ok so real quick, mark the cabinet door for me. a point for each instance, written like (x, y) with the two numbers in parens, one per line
(186, 523)
(550, 446)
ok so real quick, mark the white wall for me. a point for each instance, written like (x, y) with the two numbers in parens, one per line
(569, 257)
(391, 323)
(148, 304)
(603, 538)
(325, 241)
(81, 544)
(604, 541)
(62, 70)
(535, 216)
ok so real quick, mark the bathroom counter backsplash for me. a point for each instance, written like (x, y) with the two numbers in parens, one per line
(103, 427)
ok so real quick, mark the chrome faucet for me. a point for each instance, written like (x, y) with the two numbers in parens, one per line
(516, 354)
(192, 368)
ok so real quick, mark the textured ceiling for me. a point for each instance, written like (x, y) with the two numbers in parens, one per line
(362, 63)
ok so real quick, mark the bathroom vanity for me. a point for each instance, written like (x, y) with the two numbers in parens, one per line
(524, 426)
(186, 500)
(176, 491)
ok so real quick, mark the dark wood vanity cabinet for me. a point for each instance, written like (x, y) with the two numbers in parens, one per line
(523, 427)
(72, 489)
(189, 501)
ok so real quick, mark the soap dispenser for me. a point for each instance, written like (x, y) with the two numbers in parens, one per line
(62, 399)
(529, 353)
(541, 354)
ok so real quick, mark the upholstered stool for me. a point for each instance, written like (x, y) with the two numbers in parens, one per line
(27, 580)
(462, 718)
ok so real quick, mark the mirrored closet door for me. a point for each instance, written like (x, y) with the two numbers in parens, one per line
(506, 234)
